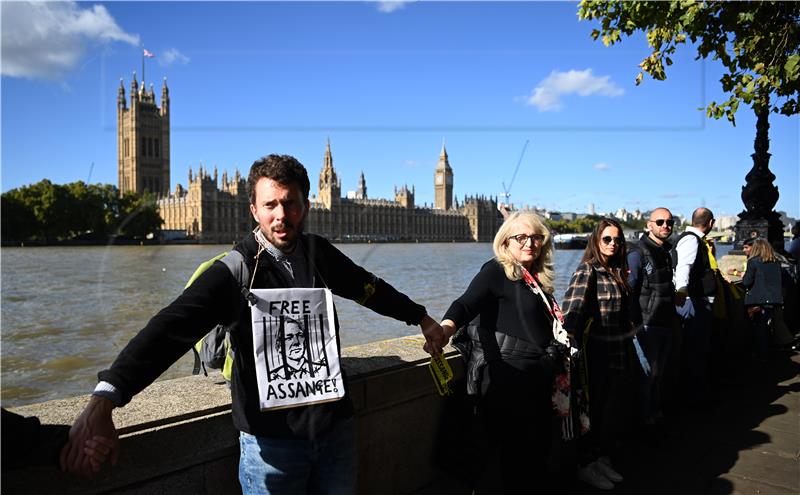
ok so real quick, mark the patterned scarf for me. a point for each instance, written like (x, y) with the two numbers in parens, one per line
(562, 386)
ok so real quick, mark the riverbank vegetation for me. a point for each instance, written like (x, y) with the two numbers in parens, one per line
(586, 223)
(51, 213)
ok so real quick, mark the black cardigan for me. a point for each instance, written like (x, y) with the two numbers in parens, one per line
(504, 306)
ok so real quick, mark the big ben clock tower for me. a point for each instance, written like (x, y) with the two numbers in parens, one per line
(443, 183)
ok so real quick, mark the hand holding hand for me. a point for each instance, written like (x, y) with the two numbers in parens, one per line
(92, 440)
(98, 450)
(434, 336)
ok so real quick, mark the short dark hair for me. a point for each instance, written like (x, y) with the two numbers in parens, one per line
(284, 169)
(701, 216)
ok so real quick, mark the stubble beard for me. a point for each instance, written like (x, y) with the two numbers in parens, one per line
(660, 237)
(286, 245)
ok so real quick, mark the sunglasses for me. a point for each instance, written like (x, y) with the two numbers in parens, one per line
(619, 241)
(661, 221)
(522, 239)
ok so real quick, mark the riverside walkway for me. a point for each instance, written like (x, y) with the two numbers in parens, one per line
(746, 442)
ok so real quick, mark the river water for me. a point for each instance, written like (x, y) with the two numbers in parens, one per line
(68, 311)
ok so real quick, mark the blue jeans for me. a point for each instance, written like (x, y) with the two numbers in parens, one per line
(276, 466)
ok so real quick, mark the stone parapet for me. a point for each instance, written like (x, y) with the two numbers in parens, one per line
(177, 436)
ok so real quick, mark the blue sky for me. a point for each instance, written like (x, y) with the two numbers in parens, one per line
(387, 83)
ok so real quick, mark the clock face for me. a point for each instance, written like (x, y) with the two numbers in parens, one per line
(439, 179)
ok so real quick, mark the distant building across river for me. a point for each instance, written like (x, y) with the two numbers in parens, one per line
(210, 211)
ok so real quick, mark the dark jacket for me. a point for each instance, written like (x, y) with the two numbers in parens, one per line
(215, 297)
(503, 306)
(499, 320)
(652, 288)
(763, 282)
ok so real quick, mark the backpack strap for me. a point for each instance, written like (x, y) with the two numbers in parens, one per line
(236, 263)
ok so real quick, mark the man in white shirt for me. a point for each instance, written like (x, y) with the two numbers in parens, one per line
(696, 283)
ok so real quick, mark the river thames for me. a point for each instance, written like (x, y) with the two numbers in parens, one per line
(68, 311)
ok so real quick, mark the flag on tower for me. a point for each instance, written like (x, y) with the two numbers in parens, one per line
(148, 54)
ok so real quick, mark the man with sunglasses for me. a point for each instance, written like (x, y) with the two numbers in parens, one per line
(652, 305)
(696, 283)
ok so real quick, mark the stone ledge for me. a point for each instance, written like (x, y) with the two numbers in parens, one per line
(177, 436)
(182, 399)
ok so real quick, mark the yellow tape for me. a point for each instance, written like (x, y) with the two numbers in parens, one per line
(442, 374)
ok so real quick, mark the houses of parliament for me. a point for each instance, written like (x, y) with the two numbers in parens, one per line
(214, 209)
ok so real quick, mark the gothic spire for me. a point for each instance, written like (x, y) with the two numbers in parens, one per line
(444, 162)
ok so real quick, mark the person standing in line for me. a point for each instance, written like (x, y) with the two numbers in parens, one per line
(597, 315)
(508, 367)
(302, 449)
(696, 284)
(653, 306)
(764, 281)
(793, 248)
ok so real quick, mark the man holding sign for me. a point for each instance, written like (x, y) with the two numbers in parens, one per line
(275, 288)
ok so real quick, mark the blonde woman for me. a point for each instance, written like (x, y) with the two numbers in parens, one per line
(508, 367)
(763, 281)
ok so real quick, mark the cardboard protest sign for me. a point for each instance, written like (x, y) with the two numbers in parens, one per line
(294, 343)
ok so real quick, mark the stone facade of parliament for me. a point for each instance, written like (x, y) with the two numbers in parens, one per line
(212, 211)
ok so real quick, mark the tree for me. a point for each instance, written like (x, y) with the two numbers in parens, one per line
(138, 215)
(758, 43)
(55, 212)
(18, 221)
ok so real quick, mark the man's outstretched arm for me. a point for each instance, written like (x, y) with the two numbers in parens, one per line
(93, 430)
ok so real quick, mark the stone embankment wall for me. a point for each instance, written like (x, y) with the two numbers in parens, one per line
(177, 436)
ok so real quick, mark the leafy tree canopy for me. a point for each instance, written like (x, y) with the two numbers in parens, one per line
(758, 43)
(55, 212)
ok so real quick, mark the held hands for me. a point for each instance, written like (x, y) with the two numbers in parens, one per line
(93, 440)
(435, 339)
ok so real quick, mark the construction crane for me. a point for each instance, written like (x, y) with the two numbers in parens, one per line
(507, 190)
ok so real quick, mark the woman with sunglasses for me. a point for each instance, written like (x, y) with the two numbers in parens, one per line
(596, 315)
(507, 367)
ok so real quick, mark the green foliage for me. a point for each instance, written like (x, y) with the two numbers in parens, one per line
(586, 224)
(138, 216)
(52, 212)
(577, 226)
(758, 43)
(18, 221)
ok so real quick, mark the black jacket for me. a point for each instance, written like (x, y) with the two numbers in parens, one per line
(504, 306)
(763, 282)
(652, 301)
(215, 297)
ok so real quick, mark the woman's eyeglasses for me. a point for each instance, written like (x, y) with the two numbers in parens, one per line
(522, 239)
(661, 221)
(619, 241)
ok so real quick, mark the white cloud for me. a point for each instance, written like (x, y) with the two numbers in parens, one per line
(47, 39)
(601, 167)
(390, 6)
(172, 57)
(546, 96)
